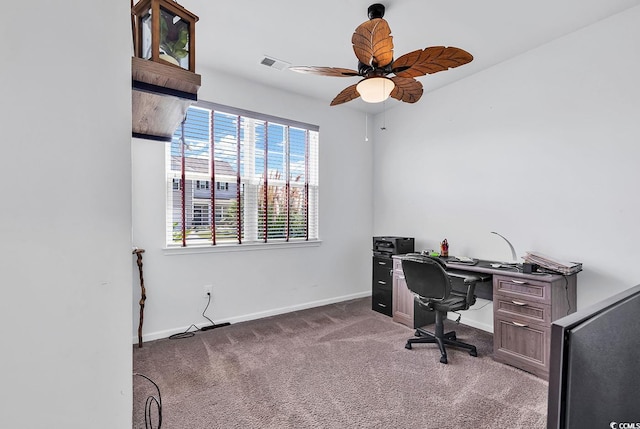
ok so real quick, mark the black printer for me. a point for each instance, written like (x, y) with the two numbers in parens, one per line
(389, 245)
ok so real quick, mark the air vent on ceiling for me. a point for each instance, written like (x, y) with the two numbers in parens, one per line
(274, 63)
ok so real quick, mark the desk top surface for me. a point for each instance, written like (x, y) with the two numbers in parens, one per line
(495, 268)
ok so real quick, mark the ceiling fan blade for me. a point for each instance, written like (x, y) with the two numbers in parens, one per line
(430, 60)
(373, 43)
(407, 89)
(347, 94)
(325, 71)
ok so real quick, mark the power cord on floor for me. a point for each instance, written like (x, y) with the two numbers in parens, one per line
(148, 405)
(188, 333)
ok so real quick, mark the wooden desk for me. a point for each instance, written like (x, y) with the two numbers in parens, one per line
(524, 305)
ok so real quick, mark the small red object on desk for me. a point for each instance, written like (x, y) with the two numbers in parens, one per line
(444, 248)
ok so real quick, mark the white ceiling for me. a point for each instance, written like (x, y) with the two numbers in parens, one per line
(234, 36)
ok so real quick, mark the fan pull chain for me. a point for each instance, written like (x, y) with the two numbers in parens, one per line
(366, 127)
(384, 116)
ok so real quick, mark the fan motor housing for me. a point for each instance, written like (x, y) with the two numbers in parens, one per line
(375, 11)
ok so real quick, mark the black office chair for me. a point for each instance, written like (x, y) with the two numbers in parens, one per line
(427, 279)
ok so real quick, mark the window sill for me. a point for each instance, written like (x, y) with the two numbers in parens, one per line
(169, 251)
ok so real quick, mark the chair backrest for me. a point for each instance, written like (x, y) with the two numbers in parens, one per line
(425, 276)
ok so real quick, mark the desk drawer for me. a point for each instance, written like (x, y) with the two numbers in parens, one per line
(523, 345)
(522, 289)
(533, 312)
(384, 264)
(382, 271)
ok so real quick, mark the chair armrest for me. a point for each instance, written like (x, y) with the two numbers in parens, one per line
(470, 281)
(471, 293)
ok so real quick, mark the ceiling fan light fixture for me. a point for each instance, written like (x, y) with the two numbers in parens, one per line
(375, 89)
(373, 45)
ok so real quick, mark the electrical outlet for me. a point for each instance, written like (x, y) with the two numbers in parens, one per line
(207, 290)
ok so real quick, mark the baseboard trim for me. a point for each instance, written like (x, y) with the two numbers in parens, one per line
(479, 315)
(252, 316)
(478, 325)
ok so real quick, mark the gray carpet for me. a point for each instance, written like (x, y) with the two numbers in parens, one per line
(337, 366)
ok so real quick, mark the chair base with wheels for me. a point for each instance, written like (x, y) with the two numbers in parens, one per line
(440, 338)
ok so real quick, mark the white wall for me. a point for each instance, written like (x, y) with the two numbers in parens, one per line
(543, 149)
(65, 222)
(257, 283)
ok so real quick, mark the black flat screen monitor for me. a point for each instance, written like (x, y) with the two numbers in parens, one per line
(594, 376)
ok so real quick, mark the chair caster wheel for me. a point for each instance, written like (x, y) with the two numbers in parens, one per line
(418, 334)
(473, 353)
(407, 346)
(443, 359)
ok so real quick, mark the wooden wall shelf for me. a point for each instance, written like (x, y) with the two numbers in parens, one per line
(161, 95)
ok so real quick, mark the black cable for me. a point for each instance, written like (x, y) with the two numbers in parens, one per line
(566, 292)
(188, 333)
(185, 334)
(470, 309)
(205, 309)
(151, 400)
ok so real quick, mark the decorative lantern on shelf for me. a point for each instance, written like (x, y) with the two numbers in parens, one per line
(165, 33)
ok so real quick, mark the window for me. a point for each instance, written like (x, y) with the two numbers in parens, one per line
(202, 184)
(237, 177)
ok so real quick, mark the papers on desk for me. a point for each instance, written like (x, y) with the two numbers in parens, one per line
(562, 267)
(464, 260)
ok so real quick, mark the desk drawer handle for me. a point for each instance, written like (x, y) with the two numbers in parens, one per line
(380, 282)
(382, 305)
(518, 282)
(382, 263)
(519, 303)
(521, 325)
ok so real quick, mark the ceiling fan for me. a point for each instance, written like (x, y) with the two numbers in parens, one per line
(373, 46)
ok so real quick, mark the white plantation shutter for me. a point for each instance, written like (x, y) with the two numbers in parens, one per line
(241, 177)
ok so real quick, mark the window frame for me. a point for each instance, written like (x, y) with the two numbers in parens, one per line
(187, 183)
